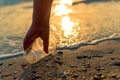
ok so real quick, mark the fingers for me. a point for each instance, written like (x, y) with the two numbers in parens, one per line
(27, 43)
(29, 38)
(45, 44)
(45, 37)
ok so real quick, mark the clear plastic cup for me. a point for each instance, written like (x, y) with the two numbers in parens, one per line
(35, 52)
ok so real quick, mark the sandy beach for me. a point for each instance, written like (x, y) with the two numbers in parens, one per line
(98, 62)
(90, 19)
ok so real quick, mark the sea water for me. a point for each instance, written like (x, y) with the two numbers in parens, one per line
(81, 24)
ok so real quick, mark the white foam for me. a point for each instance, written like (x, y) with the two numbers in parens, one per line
(95, 42)
(74, 46)
(7, 56)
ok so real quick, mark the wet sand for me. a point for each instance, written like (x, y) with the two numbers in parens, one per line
(95, 21)
(98, 62)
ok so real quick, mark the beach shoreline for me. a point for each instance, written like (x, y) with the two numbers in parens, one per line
(98, 62)
(97, 58)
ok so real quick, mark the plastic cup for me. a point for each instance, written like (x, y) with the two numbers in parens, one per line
(35, 52)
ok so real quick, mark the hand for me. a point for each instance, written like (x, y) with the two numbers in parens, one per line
(35, 32)
(40, 24)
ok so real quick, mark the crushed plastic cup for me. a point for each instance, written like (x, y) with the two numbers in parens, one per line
(35, 52)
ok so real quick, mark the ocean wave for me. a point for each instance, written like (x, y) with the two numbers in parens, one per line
(115, 37)
(94, 42)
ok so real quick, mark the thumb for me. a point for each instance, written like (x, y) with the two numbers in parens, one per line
(45, 39)
(45, 45)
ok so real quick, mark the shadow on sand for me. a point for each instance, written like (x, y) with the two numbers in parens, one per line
(12, 2)
(91, 1)
(42, 70)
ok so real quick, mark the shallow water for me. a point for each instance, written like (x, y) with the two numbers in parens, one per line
(93, 20)
(89, 20)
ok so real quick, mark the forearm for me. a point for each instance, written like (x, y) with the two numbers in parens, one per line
(41, 12)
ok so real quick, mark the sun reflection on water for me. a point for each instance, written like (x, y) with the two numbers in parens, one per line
(68, 31)
(61, 10)
(67, 25)
(68, 2)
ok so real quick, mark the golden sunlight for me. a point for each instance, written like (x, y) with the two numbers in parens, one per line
(62, 7)
(67, 25)
(61, 10)
(68, 2)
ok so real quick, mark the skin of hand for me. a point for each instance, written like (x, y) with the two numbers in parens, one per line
(40, 24)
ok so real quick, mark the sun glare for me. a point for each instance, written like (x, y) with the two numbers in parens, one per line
(67, 25)
(61, 10)
(68, 2)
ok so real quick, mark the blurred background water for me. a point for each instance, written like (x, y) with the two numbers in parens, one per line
(72, 21)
